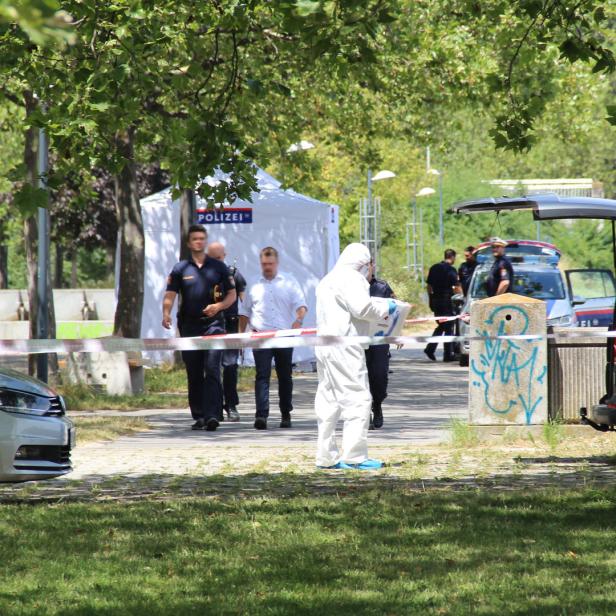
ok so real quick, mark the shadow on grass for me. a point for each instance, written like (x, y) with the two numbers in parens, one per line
(576, 460)
(400, 475)
(343, 546)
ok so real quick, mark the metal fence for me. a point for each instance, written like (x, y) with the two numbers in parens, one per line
(576, 375)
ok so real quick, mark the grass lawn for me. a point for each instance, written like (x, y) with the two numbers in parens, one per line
(359, 549)
(466, 527)
(106, 428)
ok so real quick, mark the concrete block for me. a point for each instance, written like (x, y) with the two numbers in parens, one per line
(14, 305)
(70, 305)
(108, 372)
(14, 330)
(508, 378)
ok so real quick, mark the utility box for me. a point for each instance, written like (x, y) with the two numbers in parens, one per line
(576, 376)
(508, 379)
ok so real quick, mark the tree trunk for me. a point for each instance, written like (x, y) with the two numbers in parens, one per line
(74, 268)
(188, 205)
(187, 218)
(4, 267)
(58, 275)
(127, 321)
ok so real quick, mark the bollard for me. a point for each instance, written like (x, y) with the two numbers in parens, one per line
(508, 379)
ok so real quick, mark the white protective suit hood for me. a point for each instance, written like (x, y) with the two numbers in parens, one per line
(357, 257)
(344, 305)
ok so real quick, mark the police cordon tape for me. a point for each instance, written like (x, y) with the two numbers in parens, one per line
(428, 319)
(257, 340)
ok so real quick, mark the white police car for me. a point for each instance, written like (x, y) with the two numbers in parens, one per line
(35, 437)
(535, 274)
(592, 294)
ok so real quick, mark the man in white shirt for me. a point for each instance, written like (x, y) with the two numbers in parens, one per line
(274, 302)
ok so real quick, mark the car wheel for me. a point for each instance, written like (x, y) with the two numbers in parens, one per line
(464, 360)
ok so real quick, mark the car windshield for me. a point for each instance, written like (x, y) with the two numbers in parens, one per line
(540, 284)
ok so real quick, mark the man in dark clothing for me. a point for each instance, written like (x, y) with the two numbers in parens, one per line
(442, 284)
(465, 271)
(206, 289)
(377, 361)
(230, 357)
(500, 278)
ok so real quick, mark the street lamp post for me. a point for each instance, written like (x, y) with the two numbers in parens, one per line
(441, 232)
(369, 223)
(42, 316)
(424, 192)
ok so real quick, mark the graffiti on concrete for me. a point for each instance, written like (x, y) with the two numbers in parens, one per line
(507, 370)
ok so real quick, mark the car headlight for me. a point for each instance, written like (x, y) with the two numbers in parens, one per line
(564, 321)
(23, 403)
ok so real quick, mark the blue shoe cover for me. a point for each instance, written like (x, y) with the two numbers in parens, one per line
(367, 465)
(335, 466)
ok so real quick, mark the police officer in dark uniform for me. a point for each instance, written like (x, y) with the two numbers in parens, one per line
(206, 289)
(500, 278)
(377, 361)
(230, 357)
(442, 284)
(465, 271)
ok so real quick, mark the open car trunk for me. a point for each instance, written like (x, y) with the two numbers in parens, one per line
(554, 207)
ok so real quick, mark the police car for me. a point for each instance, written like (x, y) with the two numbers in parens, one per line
(35, 436)
(586, 298)
(592, 294)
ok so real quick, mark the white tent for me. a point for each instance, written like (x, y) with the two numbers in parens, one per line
(303, 230)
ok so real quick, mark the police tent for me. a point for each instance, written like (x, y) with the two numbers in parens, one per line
(302, 229)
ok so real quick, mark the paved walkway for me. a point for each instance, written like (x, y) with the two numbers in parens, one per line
(424, 396)
(236, 460)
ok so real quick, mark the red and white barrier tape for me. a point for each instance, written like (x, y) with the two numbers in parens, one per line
(275, 339)
(428, 319)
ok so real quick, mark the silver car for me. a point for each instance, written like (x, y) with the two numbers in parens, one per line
(36, 438)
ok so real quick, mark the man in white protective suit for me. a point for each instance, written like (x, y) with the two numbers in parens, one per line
(345, 308)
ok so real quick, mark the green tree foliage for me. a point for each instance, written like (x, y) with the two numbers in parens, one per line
(42, 21)
(572, 139)
(217, 85)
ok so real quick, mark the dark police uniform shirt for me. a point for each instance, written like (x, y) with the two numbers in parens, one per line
(199, 287)
(501, 270)
(442, 277)
(465, 273)
(240, 287)
(232, 321)
(379, 288)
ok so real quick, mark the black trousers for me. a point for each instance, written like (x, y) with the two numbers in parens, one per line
(203, 373)
(377, 362)
(230, 358)
(442, 307)
(283, 361)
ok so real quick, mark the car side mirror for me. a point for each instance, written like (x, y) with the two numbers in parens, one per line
(578, 300)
